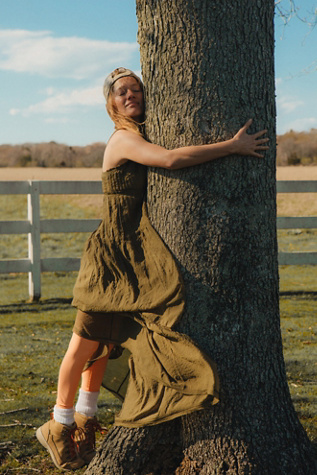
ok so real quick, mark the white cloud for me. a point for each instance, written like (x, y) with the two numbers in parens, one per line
(63, 102)
(278, 81)
(288, 105)
(39, 52)
(49, 91)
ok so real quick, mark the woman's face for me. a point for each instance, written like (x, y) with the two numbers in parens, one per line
(128, 98)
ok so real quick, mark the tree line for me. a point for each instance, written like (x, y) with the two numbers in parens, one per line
(297, 148)
(293, 148)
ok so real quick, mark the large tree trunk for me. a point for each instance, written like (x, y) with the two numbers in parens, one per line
(207, 68)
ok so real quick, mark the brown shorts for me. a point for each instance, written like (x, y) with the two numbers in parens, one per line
(106, 327)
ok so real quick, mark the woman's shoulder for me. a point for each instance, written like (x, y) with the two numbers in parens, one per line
(114, 155)
(122, 134)
(117, 141)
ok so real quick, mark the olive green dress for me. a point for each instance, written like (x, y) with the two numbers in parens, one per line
(129, 292)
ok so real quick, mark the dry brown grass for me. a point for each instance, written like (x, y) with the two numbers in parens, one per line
(304, 204)
(296, 173)
(296, 204)
(38, 173)
(53, 174)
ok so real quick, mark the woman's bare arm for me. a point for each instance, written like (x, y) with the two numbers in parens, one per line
(125, 145)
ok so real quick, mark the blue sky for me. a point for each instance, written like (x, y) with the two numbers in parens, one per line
(54, 55)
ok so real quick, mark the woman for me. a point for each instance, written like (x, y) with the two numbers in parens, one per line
(129, 292)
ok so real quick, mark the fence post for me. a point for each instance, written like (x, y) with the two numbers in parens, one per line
(34, 241)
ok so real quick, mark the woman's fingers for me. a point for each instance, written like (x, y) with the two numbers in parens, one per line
(256, 154)
(258, 134)
(257, 148)
(261, 141)
(248, 123)
(245, 127)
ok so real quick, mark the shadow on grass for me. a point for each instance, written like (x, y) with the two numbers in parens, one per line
(36, 307)
(299, 293)
(50, 304)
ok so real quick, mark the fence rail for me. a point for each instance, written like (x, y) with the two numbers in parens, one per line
(34, 265)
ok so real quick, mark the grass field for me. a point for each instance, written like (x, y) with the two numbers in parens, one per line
(34, 336)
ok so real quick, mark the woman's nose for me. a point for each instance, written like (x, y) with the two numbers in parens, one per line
(130, 93)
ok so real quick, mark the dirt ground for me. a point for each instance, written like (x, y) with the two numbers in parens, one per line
(12, 174)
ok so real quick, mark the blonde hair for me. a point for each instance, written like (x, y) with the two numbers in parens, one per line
(121, 121)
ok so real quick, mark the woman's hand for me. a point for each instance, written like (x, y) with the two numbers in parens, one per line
(249, 144)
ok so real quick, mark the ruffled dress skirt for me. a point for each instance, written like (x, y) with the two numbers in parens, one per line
(129, 292)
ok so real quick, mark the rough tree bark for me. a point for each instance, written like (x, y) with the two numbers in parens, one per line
(208, 67)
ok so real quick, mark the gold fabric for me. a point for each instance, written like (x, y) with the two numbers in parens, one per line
(127, 273)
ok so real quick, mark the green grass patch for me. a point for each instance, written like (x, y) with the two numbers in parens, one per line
(34, 338)
(298, 279)
(291, 240)
(298, 326)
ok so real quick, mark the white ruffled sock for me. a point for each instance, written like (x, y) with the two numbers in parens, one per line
(64, 416)
(87, 403)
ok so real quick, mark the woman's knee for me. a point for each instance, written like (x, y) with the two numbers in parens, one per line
(81, 347)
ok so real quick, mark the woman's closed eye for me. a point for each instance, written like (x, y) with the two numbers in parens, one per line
(122, 92)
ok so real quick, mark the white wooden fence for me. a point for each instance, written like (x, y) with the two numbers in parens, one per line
(34, 226)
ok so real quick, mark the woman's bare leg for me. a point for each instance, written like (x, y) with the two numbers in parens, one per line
(79, 351)
(92, 377)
